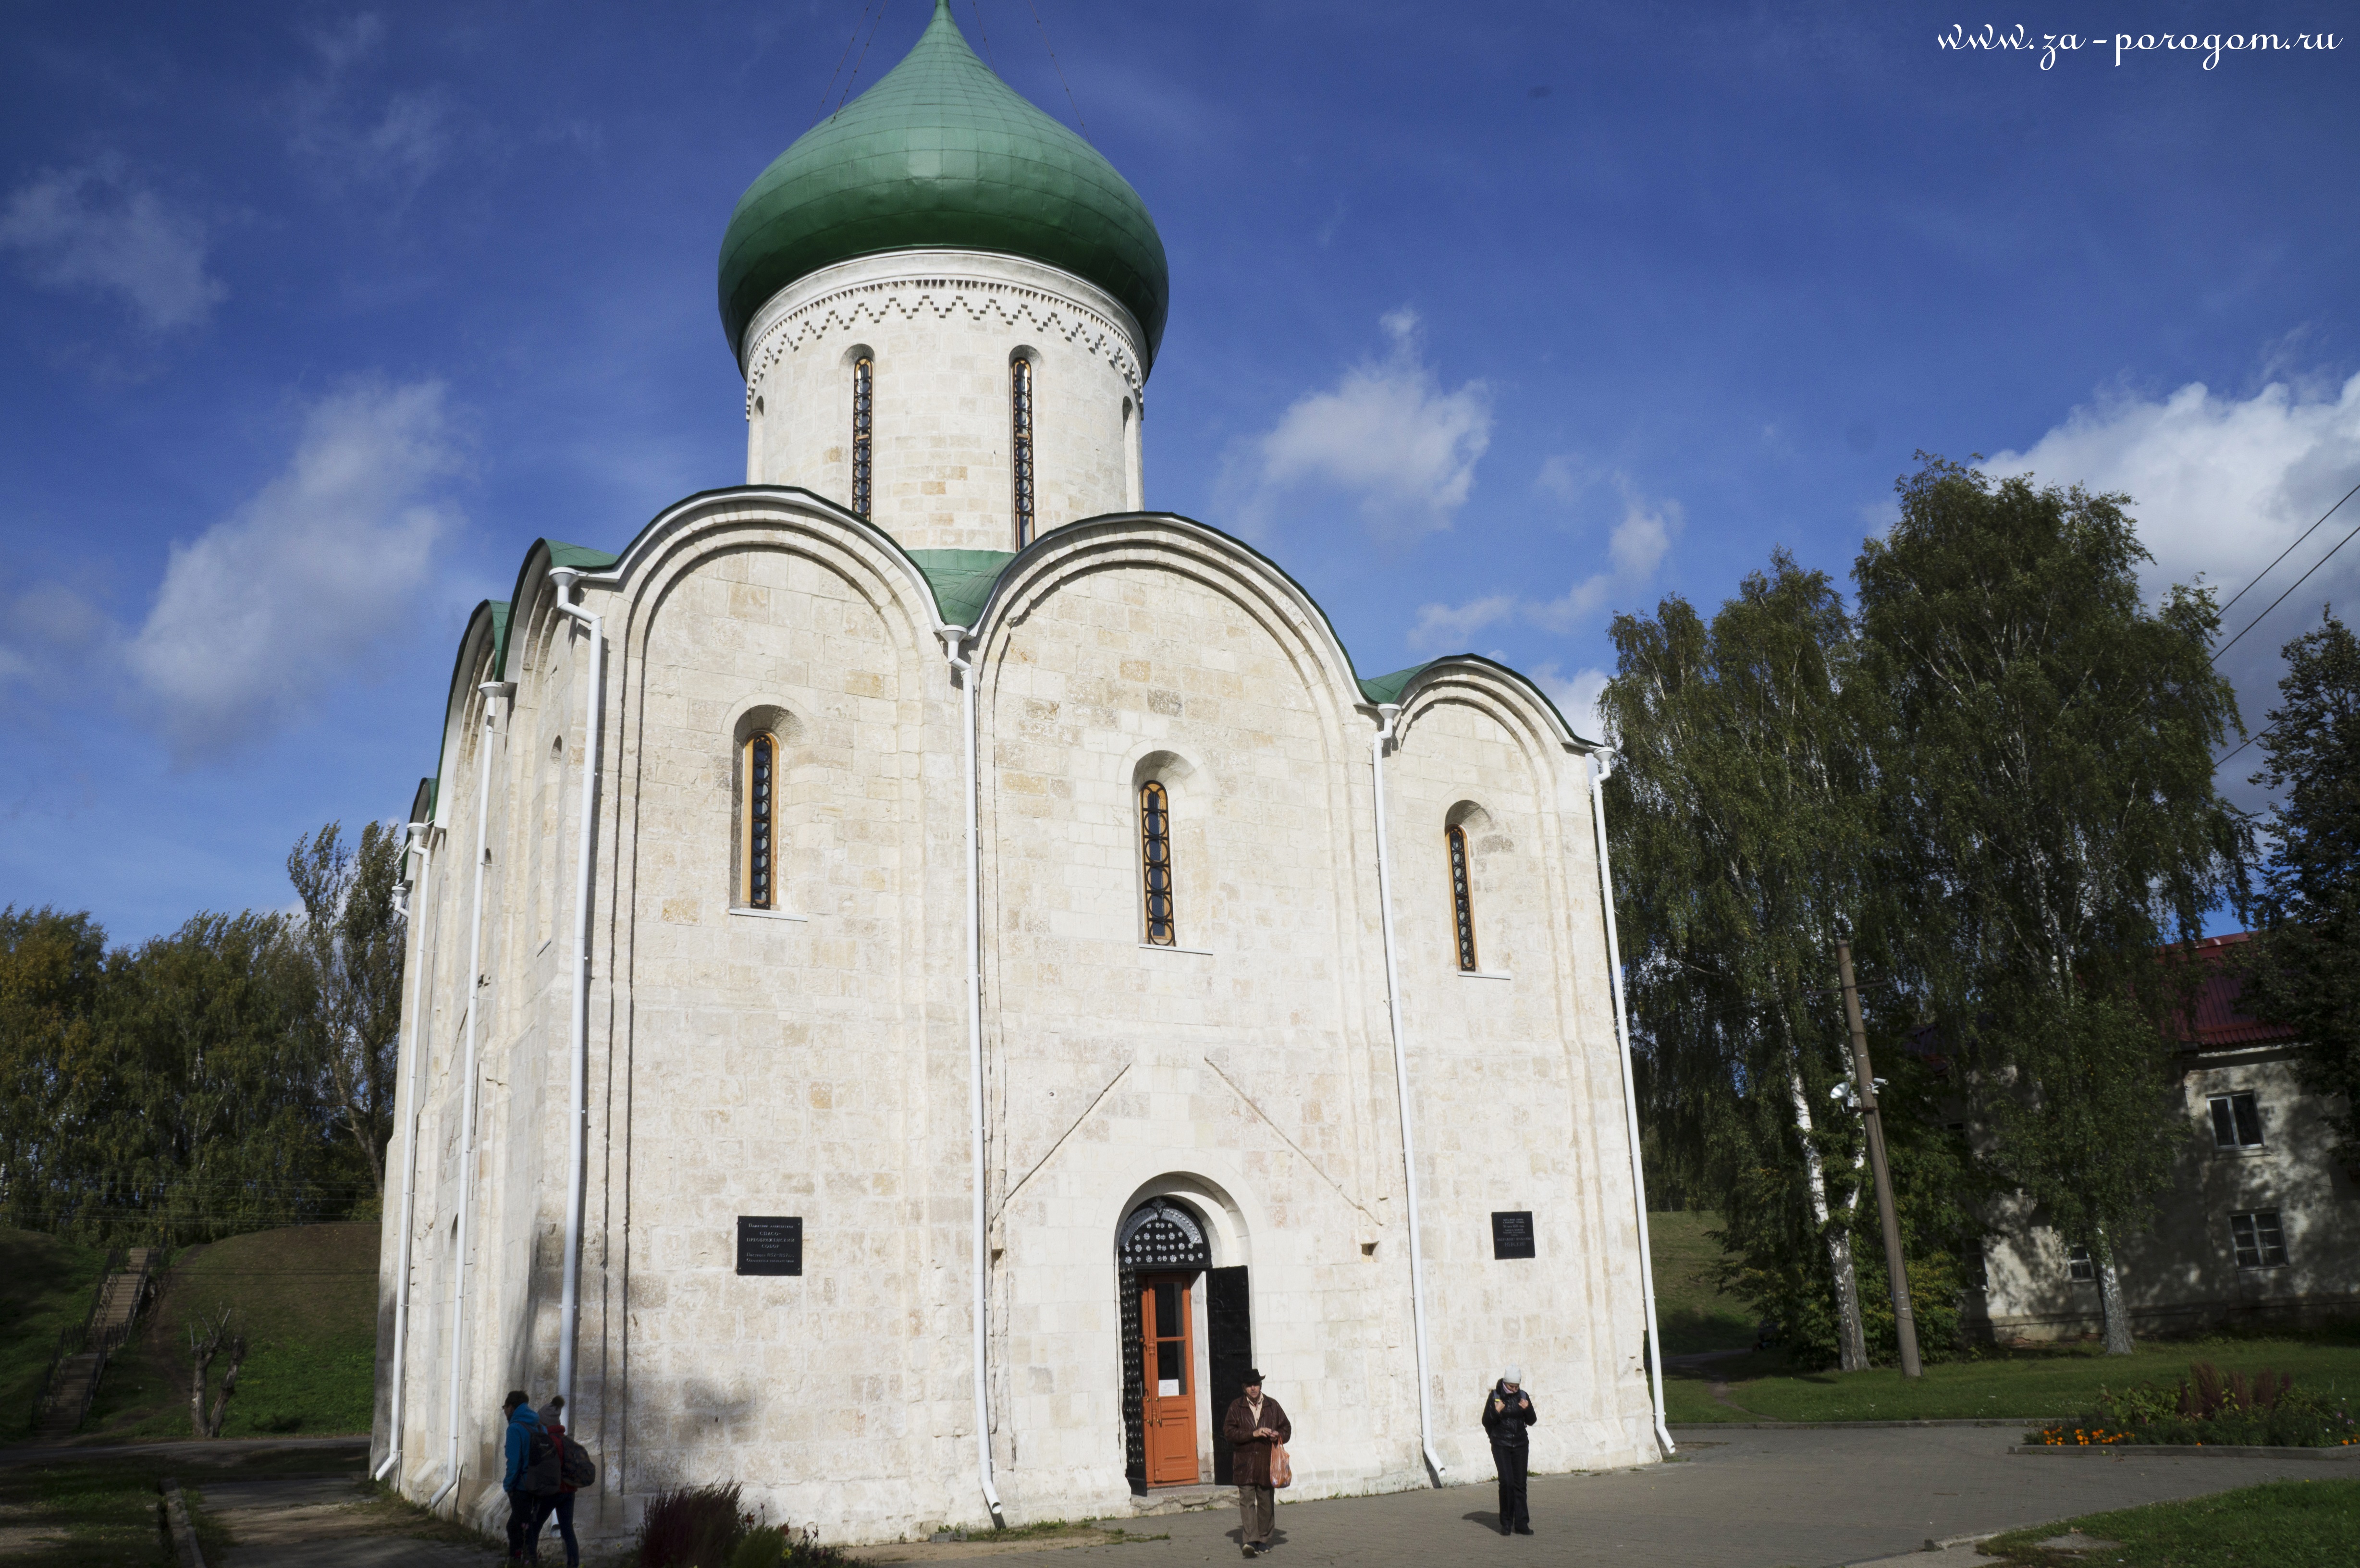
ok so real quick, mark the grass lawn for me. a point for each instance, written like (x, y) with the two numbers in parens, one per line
(1693, 1314)
(2315, 1523)
(47, 1285)
(308, 1297)
(108, 1513)
(2051, 1380)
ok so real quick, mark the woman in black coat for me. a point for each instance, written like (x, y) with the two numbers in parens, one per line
(1507, 1414)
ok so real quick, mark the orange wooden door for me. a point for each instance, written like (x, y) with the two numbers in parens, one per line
(1168, 1368)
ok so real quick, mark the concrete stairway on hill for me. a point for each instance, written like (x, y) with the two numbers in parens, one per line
(119, 1296)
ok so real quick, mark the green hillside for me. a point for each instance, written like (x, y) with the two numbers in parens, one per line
(1692, 1311)
(47, 1285)
(307, 1299)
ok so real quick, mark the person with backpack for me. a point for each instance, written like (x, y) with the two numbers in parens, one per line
(1508, 1414)
(530, 1472)
(573, 1472)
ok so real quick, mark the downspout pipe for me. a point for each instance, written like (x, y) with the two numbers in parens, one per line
(1389, 711)
(952, 637)
(422, 844)
(578, 1106)
(1604, 769)
(493, 691)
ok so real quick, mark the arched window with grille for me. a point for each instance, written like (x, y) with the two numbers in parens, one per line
(1019, 405)
(1462, 897)
(864, 431)
(1156, 863)
(757, 865)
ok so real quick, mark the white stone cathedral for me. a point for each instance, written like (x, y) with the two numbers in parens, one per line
(922, 969)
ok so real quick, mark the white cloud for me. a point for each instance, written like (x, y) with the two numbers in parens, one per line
(399, 144)
(1386, 433)
(1576, 697)
(96, 228)
(2220, 486)
(1634, 550)
(267, 607)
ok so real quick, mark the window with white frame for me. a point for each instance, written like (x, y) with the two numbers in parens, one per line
(2236, 1122)
(2259, 1238)
(2079, 1264)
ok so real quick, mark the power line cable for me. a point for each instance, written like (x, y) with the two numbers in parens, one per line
(822, 109)
(1060, 69)
(977, 6)
(2289, 594)
(2290, 550)
(864, 56)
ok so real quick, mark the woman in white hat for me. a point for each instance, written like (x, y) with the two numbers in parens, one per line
(1507, 1413)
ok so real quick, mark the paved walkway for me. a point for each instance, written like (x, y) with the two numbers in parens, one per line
(1746, 1499)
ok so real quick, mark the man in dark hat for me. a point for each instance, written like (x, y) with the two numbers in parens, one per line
(1252, 1424)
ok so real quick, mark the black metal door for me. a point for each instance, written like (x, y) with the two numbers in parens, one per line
(1134, 1422)
(1229, 1353)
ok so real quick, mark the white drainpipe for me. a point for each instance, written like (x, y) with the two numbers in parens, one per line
(491, 691)
(578, 1107)
(1605, 768)
(422, 844)
(952, 637)
(1401, 1091)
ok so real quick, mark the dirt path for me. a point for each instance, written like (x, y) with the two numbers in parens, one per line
(301, 1521)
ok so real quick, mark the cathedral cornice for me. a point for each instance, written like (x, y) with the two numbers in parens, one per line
(799, 318)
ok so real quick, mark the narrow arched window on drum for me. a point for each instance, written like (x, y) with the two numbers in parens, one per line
(758, 870)
(1155, 863)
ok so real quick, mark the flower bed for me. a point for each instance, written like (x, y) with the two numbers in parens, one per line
(2209, 1407)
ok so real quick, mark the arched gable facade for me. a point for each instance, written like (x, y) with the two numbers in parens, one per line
(810, 1059)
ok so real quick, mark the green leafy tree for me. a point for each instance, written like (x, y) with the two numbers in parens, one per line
(53, 1083)
(1743, 815)
(349, 946)
(2303, 967)
(2045, 757)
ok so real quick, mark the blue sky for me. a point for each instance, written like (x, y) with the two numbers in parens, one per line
(1489, 320)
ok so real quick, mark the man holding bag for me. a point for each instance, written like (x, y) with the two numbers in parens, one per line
(1256, 1426)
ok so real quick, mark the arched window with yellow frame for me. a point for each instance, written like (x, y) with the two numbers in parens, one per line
(1156, 863)
(1462, 897)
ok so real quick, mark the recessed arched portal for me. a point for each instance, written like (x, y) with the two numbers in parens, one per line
(1187, 1341)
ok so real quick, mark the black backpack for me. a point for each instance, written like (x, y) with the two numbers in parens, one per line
(540, 1463)
(577, 1466)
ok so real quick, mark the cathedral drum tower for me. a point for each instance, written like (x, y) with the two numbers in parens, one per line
(922, 970)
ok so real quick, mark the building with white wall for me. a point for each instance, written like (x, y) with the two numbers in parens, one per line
(2260, 1226)
(924, 969)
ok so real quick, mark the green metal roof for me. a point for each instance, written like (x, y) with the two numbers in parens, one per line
(1384, 689)
(942, 153)
(961, 580)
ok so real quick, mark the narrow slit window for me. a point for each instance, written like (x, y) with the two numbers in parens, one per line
(864, 429)
(1155, 862)
(2259, 1240)
(1019, 402)
(757, 876)
(1462, 899)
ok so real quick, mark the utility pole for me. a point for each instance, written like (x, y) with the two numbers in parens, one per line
(1905, 1322)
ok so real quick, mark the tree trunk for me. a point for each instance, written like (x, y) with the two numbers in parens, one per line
(200, 1358)
(228, 1385)
(1851, 1339)
(2110, 1302)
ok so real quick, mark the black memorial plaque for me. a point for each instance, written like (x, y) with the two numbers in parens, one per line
(770, 1244)
(1512, 1232)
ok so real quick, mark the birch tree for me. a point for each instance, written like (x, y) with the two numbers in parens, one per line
(1741, 817)
(2046, 777)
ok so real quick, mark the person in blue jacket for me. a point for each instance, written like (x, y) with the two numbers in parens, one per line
(524, 1507)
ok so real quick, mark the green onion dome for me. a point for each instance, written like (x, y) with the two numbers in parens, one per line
(942, 154)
